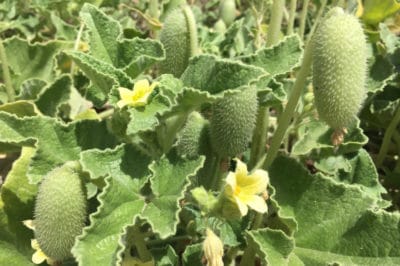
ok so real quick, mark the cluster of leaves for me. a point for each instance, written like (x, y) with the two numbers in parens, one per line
(327, 205)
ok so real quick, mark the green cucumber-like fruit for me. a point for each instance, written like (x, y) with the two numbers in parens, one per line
(227, 11)
(339, 68)
(60, 211)
(232, 122)
(179, 37)
(193, 138)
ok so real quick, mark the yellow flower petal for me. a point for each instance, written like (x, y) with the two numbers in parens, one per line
(140, 84)
(38, 257)
(231, 180)
(242, 206)
(258, 204)
(241, 169)
(256, 183)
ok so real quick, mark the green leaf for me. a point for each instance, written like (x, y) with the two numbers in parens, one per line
(123, 162)
(169, 180)
(100, 242)
(165, 256)
(56, 142)
(145, 118)
(335, 221)
(63, 30)
(273, 246)
(279, 59)
(18, 197)
(20, 108)
(192, 255)
(102, 75)
(377, 11)
(214, 75)
(56, 94)
(10, 256)
(317, 135)
(381, 71)
(28, 61)
(107, 43)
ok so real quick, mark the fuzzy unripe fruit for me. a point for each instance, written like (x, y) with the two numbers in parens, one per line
(179, 37)
(60, 211)
(227, 11)
(233, 121)
(339, 68)
(193, 139)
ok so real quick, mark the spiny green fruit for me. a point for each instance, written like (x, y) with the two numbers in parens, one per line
(339, 68)
(179, 37)
(232, 123)
(60, 211)
(227, 11)
(193, 139)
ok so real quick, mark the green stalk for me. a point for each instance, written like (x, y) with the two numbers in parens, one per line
(248, 257)
(106, 113)
(287, 114)
(153, 9)
(76, 45)
(387, 137)
(260, 136)
(318, 17)
(140, 244)
(303, 17)
(216, 174)
(292, 16)
(6, 73)
(274, 29)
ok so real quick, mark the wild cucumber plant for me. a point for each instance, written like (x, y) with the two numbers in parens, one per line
(199, 133)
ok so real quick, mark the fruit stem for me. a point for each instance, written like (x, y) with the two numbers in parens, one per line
(106, 113)
(169, 129)
(292, 16)
(167, 240)
(274, 29)
(6, 73)
(215, 181)
(303, 18)
(140, 244)
(317, 18)
(387, 137)
(260, 136)
(287, 114)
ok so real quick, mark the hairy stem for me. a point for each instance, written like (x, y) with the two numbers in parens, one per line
(292, 16)
(287, 114)
(275, 24)
(387, 137)
(303, 18)
(76, 45)
(6, 73)
(260, 136)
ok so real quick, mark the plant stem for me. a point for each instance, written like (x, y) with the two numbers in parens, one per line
(140, 244)
(292, 16)
(76, 45)
(274, 29)
(216, 180)
(260, 136)
(317, 19)
(106, 113)
(387, 137)
(248, 257)
(287, 114)
(6, 73)
(303, 17)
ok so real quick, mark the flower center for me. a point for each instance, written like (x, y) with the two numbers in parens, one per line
(237, 190)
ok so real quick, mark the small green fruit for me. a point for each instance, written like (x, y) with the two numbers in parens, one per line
(220, 26)
(179, 37)
(227, 11)
(233, 122)
(60, 211)
(193, 139)
(339, 68)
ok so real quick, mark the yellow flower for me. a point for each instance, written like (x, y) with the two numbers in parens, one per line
(243, 189)
(213, 249)
(138, 96)
(38, 257)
